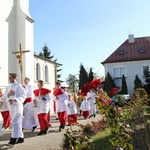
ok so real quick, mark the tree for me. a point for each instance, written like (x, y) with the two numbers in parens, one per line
(58, 75)
(137, 83)
(147, 80)
(83, 76)
(41, 54)
(124, 89)
(46, 53)
(72, 82)
(109, 83)
(91, 75)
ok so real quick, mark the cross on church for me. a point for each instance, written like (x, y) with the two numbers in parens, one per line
(19, 55)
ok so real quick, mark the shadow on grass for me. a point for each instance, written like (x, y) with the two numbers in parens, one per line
(101, 140)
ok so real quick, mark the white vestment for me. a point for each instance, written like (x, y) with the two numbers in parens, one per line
(16, 108)
(43, 104)
(91, 99)
(4, 106)
(30, 118)
(61, 102)
(72, 109)
(85, 106)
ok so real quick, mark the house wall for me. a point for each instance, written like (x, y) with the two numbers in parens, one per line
(131, 69)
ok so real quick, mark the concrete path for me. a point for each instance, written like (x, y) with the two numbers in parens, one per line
(50, 141)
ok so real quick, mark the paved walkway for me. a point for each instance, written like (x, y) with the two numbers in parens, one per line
(50, 141)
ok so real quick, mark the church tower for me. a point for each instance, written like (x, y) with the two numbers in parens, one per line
(16, 26)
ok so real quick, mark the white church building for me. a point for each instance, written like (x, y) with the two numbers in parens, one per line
(16, 26)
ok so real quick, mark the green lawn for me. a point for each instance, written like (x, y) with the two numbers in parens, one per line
(101, 140)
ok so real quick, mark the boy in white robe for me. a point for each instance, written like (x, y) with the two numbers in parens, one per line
(92, 101)
(85, 107)
(71, 111)
(61, 105)
(4, 112)
(42, 99)
(15, 95)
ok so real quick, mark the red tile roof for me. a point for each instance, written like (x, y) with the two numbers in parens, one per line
(139, 50)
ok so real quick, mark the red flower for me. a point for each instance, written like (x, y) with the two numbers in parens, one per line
(95, 83)
(85, 89)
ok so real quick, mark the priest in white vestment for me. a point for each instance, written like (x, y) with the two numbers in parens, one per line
(15, 95)
(30, 119)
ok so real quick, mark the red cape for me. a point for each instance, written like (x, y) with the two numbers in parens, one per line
(43, 92)
(58, 92)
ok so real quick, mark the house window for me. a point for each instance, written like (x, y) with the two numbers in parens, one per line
(46, 74)
(118, 72)
(121, 52)
(145, 68)
(141, 51)
(38, 71)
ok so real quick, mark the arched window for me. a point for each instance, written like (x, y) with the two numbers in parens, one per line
(38, 75)
(46, 74)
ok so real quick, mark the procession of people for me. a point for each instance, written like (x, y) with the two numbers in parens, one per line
(23, 108)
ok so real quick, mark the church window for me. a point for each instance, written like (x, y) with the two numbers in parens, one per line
(46, 74)
(38, 72)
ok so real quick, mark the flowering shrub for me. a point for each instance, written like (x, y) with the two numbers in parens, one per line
(79, 139)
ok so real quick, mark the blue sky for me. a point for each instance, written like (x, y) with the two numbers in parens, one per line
(87, 31)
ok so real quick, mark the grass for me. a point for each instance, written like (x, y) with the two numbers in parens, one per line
(101, 140)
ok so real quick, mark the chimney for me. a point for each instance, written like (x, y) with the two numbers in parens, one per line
(131, 38)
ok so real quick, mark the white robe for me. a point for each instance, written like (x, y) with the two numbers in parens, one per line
(61, 103)
(85, 106)
(43, 105)
(16, 108)
(30, 118)
(5, 105)
(72, 109)
(1, 132)
(92, 101)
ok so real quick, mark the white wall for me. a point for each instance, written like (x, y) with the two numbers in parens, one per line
(131, 69)
(51, 68)
(15, 29)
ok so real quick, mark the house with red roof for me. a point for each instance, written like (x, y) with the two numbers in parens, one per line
(130, 58)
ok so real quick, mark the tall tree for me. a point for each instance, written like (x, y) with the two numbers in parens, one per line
(41, 54)
(72, 82)
(137, 82)
(147, 80)
(58, 74)
(91, 75)
(83, 76)
(109, 83)
(46, 52)
(124, 89)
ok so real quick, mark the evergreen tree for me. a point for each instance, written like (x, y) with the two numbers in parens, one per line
(41, 54)
(58, 75)
(124, 89)
(147, 80)
(109, 83)
(137, 83)
(91, 75)
(83, 76)
(46, 52)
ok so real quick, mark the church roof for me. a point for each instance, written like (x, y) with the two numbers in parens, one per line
(137, 50)
(53, 62)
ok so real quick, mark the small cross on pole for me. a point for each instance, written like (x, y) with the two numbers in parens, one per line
(19, 55)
